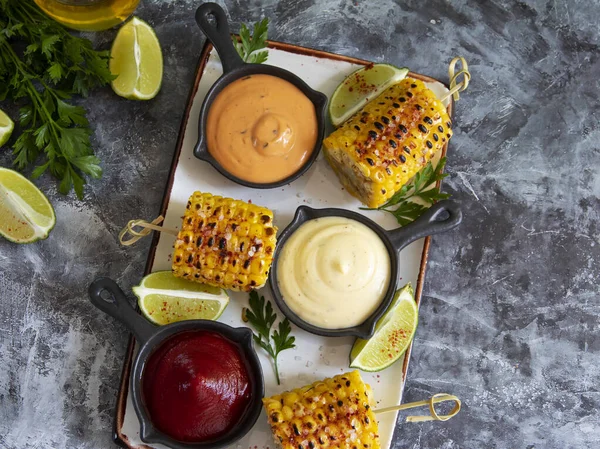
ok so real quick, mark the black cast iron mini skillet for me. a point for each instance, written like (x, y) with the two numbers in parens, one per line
(441, 217)
(235, 68)
(108, 297)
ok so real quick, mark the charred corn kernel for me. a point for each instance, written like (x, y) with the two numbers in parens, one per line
(384, 145)
(225, 242)
(345, 420)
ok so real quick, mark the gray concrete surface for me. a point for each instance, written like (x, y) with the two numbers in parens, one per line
(509, 320)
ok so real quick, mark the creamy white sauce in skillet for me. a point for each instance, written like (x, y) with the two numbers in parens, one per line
(333, 272)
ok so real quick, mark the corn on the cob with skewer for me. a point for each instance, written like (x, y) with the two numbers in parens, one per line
(384, 145)
(333, 413)
(224, 242)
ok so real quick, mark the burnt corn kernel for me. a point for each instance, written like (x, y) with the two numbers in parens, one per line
(429, 144)
(372, 134)
(379, 126)
(435, 137)
(403, 129)
(402, 158)
(422, 128)
(393, 143)
(356, 127)
(211, 241)
(418, 107)
(385, 120)
(409, 94)
(370, 161)
(406, 149)
(440, 128)
(428, 120)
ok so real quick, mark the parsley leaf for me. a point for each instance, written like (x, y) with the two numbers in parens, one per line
(262, 317)
(43, 65)
(416, 197)
(248, 46)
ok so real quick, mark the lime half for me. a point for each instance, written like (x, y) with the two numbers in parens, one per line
(26, 215)
(6, 127)
(165, 299)
(393, 334)
(359, 88)
(136, 59)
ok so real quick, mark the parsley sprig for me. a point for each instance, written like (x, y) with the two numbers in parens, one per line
(42, 62)
(262, 317)
(248, 46)
(403, 205)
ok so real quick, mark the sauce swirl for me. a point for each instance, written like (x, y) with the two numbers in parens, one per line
(261, 128)
(196, 386)
(333, 272)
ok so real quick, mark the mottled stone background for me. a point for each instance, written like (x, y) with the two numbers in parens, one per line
(509, 320)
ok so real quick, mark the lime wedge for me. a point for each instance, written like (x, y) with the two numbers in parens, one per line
(165, 299)
(393, 333)
(136, 59)
(6, 128)
(26, 215)
(359, 88)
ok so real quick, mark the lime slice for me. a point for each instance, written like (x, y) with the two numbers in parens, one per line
(6, 128)
(359, 88)
(165, 299)
(393, 334)
(26, 215)
(136, 59)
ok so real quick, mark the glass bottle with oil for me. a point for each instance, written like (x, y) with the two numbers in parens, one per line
(88, 15)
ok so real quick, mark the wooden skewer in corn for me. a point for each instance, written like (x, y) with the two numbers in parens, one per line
(456, 87)
(434, 416)
(129, 234)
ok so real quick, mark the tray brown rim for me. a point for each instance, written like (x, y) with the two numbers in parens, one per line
(118, 436)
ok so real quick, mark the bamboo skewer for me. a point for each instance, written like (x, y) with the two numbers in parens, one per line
(434, 416)
(455, 87)
(129, 235)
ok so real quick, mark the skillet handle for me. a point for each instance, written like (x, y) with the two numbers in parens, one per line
(108, 297)
(431, 222)
(218, 34)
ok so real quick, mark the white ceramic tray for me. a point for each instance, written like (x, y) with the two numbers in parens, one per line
(314, 357)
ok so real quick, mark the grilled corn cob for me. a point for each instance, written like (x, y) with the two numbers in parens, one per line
(384, 145)
(334, 413)
(224, 242)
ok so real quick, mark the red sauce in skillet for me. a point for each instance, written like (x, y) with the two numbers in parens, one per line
(196, 386)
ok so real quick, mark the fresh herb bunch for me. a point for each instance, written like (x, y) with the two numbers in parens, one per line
(248, 46)
(403, 206)
(42, 62)
(262, 318)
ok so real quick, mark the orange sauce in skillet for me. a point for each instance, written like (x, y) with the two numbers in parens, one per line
(261, 128)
